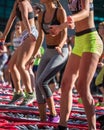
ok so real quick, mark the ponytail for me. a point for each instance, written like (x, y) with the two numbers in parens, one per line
(58, 4)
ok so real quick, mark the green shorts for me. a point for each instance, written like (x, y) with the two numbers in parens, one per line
(100, 78)
(88, 42)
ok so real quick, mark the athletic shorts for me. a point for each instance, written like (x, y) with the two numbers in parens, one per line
(25, 33)
(88, 42)
(100, 78)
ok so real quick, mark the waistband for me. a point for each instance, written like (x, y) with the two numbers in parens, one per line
(85, 31)
(53, 46)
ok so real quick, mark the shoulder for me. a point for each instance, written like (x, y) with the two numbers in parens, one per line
(61, 14)
(24, 4)
(61, 10)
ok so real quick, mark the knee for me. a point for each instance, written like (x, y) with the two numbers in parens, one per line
(82, 88)
(42, 81)
(11, 67)
(39, 83)
(66, 85)
(20, 66)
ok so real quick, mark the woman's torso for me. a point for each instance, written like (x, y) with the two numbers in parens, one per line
(30, 15)
(87, 22)
(47, 20)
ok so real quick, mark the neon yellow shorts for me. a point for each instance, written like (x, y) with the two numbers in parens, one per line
(89, 42)
(100, 78)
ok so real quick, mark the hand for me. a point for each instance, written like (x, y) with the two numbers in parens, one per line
(71, 23)
(29, 63)
(54, 30)
(59, 50)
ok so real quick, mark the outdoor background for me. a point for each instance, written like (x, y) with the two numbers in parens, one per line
(6, 7)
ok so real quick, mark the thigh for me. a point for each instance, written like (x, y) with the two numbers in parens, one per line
(71, 71)
(13, 58)
(42, 65)
(50, 64)
(25, 51)
(87, 69)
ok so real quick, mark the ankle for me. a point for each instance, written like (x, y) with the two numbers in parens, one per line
(53, 115)
(19, 91)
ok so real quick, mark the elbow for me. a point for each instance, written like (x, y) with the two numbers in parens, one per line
(86, 13)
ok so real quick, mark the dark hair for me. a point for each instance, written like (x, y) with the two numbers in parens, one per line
(23, 0)
(57, 3)
(39, 7)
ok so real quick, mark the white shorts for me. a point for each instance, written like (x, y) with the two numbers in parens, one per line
(25, 33)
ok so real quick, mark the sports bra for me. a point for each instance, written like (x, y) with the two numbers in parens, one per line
(54, 21)
(75, 6)
(18, 13)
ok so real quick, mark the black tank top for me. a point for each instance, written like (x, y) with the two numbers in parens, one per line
(54, 21)
(75, 6)
(18, 13)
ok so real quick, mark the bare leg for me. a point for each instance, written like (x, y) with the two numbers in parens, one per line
(87, 69)
(42, 108)
(42, 111)
(51, 105)
(15, 73)
(16, 79)
(69, 78)
(32, 76)
(25, 52)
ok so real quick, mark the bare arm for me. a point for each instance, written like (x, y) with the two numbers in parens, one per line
(24, 13)
(62, 18)
(40, 37)
(10, 22)
(84, 13)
